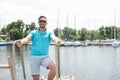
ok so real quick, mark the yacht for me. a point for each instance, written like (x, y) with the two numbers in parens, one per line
(3, 44)
(76, 43)
(115, 44)
(68, 43)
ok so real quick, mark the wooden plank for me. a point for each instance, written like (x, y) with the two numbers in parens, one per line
(67, 78)
(62, 78)
(4, 67)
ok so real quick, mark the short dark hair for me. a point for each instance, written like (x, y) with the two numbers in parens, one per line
(41, 17)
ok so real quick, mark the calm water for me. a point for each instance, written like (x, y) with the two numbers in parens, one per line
(84, 63)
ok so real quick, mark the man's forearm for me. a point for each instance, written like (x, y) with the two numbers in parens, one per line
(24, 41)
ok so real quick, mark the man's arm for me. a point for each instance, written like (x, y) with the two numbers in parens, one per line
(25, 40)
(56, 40)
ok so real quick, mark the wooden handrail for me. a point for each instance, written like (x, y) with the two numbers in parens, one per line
(4, 66)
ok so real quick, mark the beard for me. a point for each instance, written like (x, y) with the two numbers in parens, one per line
(42, 27)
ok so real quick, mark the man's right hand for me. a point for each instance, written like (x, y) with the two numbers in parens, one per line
(18, 43)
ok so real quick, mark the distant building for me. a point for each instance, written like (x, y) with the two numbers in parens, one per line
(5, 37)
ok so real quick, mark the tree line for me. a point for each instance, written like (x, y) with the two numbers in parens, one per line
(18, 29)
(104, 32)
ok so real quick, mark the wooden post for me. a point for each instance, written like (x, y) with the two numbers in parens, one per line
(57, 55)
(11, 67)
(13, 56)
(23, 66)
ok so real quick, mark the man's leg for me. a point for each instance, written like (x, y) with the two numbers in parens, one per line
(49, 64)
(52, 72)
(35, 67)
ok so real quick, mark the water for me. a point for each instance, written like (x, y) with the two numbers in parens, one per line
(84, 63)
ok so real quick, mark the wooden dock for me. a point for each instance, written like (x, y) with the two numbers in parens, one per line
(11, 65)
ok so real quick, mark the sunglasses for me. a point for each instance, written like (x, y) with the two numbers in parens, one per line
(42, 21)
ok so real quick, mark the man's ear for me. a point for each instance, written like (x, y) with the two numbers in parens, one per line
(46, 23)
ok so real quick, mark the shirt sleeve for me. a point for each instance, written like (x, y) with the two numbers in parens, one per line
(32, 34)
(51, 34)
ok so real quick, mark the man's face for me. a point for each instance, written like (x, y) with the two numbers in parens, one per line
(42, 22)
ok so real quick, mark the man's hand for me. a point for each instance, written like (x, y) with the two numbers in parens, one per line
(58, 42)
(18, 43)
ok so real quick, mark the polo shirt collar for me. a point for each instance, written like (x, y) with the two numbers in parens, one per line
(42, 32)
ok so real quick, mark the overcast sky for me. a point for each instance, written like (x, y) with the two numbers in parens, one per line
(90, 14)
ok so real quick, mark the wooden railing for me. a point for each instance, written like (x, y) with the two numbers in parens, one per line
(9, 66)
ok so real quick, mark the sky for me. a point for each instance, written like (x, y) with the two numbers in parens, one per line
(90, 14)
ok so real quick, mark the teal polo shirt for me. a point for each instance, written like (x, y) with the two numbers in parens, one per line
(40, 42)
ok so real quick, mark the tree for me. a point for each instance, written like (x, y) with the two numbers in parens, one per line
(57, 32)
(108, 32)
(32, 26)
(102, 32)
(28, 28)
(3, 31)
(17, 27)
(0, 32)
(14, 34)
(83, 34)
(118, 33)
(69, 33)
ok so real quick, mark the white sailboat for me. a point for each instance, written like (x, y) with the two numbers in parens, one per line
(67, 43)
(115, 43)
(76, 43)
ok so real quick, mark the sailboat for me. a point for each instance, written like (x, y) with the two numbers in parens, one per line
(115, 43)
(67, 42)
(76, 43)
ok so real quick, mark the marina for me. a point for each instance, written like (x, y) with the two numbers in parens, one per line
(107, 42)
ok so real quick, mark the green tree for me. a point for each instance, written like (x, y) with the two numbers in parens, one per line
(69, 33)
(0, 32)
(14, 34)
(28, 28)
(102, 33)
(65, 32)
(118, 33)
(3, 31)
(83, 34)
(32, 26)
(17, 26)
(108, 32)
(57, 32)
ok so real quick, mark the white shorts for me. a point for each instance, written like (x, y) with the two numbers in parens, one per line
(37, 61)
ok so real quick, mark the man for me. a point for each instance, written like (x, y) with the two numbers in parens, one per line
(39, 56)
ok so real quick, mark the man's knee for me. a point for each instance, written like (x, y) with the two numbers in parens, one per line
(52, 66)
(35, 77)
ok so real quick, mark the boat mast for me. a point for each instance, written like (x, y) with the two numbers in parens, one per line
(114, 23)
(67, 26)
(58, 19)
(75, 24)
